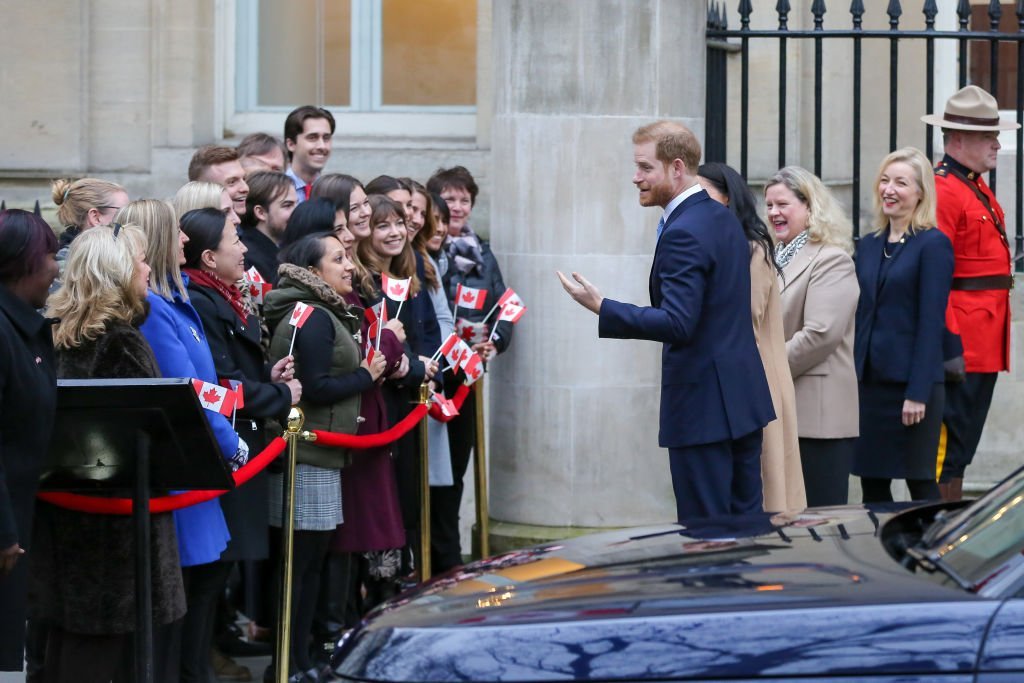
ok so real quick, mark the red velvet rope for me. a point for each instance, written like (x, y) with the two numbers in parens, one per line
(123, 506)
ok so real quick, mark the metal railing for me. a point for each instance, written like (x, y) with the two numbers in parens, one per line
(720, 39)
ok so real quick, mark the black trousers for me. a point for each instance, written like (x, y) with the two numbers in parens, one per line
(204, 585)
(309, 550)
(826, 465)
(721, 478)
(878, 490)
(967, 405)
(445, 501)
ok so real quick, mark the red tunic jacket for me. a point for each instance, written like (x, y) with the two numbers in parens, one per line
(980, 249)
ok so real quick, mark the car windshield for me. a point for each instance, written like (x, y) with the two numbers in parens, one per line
(986, 539)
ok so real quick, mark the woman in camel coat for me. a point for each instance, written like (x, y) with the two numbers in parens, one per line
(781, 474)
(819, 300)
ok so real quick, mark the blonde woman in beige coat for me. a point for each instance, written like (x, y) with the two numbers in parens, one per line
(819, 300)
(781, 474)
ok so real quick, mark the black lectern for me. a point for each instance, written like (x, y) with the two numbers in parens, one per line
(133, 437)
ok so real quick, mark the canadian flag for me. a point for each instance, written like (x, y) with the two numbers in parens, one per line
(258, 286)
(213, 397)
(474, 333)
(446, 405)
(450, 343)
(300, 314)
(457, 354)
(235, 386)
(467, 297)
(474, 369)
(376, 316)
(511, 313)
(510, 297)
(464, 354)
(396, 290)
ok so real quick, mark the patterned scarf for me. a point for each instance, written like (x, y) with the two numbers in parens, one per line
(464, 252)
(231, 293)
(784, 253)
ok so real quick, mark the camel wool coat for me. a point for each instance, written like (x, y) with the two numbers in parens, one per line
(819, 301)
(782, 477)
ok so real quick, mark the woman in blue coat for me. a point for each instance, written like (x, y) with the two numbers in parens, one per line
(175, 332)
(904, 270)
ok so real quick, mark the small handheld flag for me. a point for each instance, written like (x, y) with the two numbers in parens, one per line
(510, 312)
(237, 387)
(299, 317)
(213, 397)
(467, 297)
(508, 297)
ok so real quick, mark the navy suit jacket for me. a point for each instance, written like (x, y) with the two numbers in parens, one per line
(901, 318)
(713, 386)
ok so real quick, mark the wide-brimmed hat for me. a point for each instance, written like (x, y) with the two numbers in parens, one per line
(970, 108)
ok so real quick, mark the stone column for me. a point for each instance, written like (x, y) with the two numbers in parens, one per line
(574, 418)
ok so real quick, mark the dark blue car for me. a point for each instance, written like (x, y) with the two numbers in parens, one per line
(898, 593)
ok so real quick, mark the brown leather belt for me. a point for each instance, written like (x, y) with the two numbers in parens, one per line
(974, 284)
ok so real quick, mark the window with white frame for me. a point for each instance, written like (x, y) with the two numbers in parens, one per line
(357, 56)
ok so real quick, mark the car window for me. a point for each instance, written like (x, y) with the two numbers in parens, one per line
(990, 544)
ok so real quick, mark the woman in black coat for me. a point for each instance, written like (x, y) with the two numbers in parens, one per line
(214, 263)
(905, 270)
(83, 576)
(28, 396)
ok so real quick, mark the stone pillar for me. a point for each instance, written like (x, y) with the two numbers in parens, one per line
(574, 418)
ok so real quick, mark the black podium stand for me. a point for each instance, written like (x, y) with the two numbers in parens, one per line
(133, 437)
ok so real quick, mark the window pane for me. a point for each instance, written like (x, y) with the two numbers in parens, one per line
(428, 52)
(289, 42)
(980, 61)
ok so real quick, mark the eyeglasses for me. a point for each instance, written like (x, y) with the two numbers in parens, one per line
(104, 208)
(117, 229)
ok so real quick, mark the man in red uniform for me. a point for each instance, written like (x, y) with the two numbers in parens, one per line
(979, 302)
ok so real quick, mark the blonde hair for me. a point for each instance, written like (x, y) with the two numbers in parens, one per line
(197, 194)
(671, 141)
(923, 217)
(156, 218)
(826, 221)
(74, 198)
(99, 284)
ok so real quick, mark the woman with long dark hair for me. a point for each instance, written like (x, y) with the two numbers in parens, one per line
(781, 477)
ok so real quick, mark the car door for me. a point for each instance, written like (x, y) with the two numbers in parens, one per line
(1002, 656)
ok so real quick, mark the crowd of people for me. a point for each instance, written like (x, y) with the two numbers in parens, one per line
(878, 361)
(791, 363)
(147, 288)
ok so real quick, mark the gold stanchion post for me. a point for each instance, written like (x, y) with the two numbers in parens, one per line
(483, 544)
(424, 558)
(284, 613)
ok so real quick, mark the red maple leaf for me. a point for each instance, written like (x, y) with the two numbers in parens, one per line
(468, 296)
(211, 396)
(397, 289)
(467, 333)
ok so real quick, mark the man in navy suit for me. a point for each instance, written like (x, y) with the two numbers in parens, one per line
(714, 395)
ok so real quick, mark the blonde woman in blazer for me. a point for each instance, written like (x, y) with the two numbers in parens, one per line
(819, 301)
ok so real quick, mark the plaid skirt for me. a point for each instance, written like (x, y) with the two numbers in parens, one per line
(317, 498)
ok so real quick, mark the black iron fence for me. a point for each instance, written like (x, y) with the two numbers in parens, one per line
(721, 40)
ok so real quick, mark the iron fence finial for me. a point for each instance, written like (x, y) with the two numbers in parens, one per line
(746, 9)
(3, 205)
(783, 8)
(930, 10)
(818, 9)
(894, 11)
(36, 209)
(963, 10)
(857, 10)
(995, 13)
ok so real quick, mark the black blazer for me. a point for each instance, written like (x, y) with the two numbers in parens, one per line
(28, 398)
(237, 354)
(901, 316)
(713, 386)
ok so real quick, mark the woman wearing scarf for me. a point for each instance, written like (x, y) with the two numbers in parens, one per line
(470, 264)
(819, 301)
